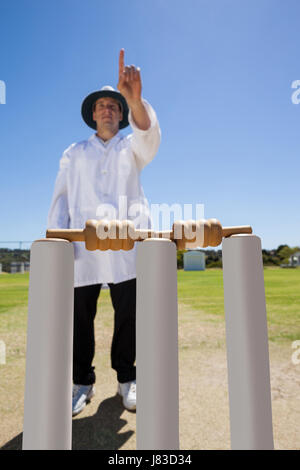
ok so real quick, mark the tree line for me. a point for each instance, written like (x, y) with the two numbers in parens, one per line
(277, 257)
(213, 258)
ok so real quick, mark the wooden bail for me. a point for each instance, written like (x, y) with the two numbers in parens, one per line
(110, 235)
(122, 234)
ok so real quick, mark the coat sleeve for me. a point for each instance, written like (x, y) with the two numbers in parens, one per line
(145, 144)
(58, 216)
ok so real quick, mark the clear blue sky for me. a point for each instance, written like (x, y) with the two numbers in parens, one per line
(217, 72)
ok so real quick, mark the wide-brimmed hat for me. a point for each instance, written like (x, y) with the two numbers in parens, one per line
(87, 106)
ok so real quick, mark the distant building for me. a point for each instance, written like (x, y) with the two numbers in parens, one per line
(19, 267)
(16, 267)
(194, 260)
(295, 259)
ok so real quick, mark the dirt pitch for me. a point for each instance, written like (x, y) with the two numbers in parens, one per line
(204, 413)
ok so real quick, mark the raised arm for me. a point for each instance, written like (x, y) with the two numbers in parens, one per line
(130, 86)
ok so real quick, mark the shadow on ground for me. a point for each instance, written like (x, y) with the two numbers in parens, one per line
(100, 431)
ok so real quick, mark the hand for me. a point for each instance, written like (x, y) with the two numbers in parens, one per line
(130, 84)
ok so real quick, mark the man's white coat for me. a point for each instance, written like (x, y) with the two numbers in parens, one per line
(94, 175)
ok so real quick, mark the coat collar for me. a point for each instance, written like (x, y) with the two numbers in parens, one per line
(95, 140)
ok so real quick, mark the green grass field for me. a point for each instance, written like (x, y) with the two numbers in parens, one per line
(200, 291)
(202, 354)
(203, 292)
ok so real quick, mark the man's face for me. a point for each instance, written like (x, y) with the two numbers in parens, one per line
(107, 114)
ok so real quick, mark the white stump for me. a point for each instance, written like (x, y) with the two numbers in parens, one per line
(48, 385)
(247, 344)
(157, 422)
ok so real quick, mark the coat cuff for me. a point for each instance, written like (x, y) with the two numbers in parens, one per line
(152, 116)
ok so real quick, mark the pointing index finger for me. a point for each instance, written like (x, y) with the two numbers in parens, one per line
(121, 62)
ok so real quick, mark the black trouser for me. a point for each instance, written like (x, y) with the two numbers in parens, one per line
(123, 296)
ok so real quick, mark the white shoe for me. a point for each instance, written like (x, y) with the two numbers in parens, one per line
(128, 392)
(82, 395)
